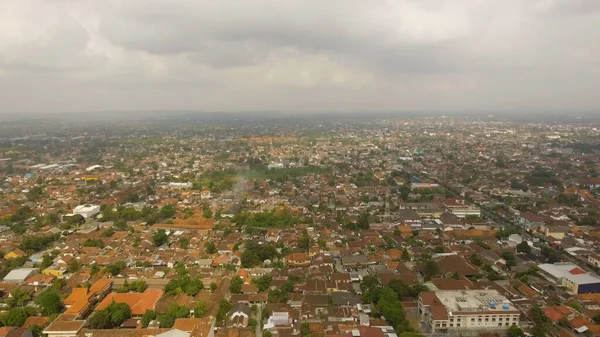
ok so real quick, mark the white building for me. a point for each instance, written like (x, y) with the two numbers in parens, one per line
(461, 208)
(278, 319)
(571, 276)
(181, 185)
(87, 211)
(461, 311)
(19, 275)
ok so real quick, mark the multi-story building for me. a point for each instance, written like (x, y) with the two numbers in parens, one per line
(463, 311)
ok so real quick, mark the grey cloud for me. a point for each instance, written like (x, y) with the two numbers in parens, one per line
(270, 54)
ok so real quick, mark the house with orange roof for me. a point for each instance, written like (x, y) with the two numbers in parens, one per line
(298, 260)
(580, 323)
(558, 312)
(138, 303)
(221, 260)
(40, 280)
(243, 273)
(80, 301)
(15, 253)
(394, 253)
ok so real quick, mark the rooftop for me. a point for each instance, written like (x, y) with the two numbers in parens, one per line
(474, 301)
(569, 271)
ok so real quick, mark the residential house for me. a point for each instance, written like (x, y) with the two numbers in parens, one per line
(238, 316)
(138, 303)
(594, 259)
(298, 260)
(530, 219)
(14, 254)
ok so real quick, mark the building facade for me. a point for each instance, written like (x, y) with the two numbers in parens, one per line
(468, 311)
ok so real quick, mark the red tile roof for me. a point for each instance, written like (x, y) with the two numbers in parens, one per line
(138, 303)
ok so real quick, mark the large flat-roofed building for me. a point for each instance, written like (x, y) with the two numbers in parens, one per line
(461, 208)
(571, 276)
(87, 211)
(461, 311)
(424, 209)
(19, 275)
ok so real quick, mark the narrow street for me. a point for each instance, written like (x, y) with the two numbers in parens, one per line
(258, 318)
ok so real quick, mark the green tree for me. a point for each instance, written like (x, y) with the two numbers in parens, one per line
(59, 284)
(93, 243)
(184, 243)
(49, 302)
(305, 329)
(115, 268)
(476, 260)
(200, 310)
(46, 262)
(99, 320)
(405, 256)
(509, 258)
(304, 241)
(73, 266)
(178, 311)
(431, 269)
(18, 297)
(94, 269)
(213, 287)
(210, 247)
(224, 307)
(148, 317)
(165, 321)
(523, 247)
(160, 237)
(236, 285)
(110, 317)
(15, 317)
(186, 284)
(263, 282)
(538, 316)
(36, 330)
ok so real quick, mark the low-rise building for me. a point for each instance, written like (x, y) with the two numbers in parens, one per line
(64, 325)
(571, 276)
(460, 311)
(87, 211)
(19, 275)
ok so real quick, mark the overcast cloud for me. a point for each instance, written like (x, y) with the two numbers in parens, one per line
(299, 55)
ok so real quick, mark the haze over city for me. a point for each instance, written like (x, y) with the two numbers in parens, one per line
(311, 56)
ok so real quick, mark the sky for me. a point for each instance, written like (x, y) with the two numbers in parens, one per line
(299, 55)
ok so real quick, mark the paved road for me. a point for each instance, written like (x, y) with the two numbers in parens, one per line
(259, 310)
